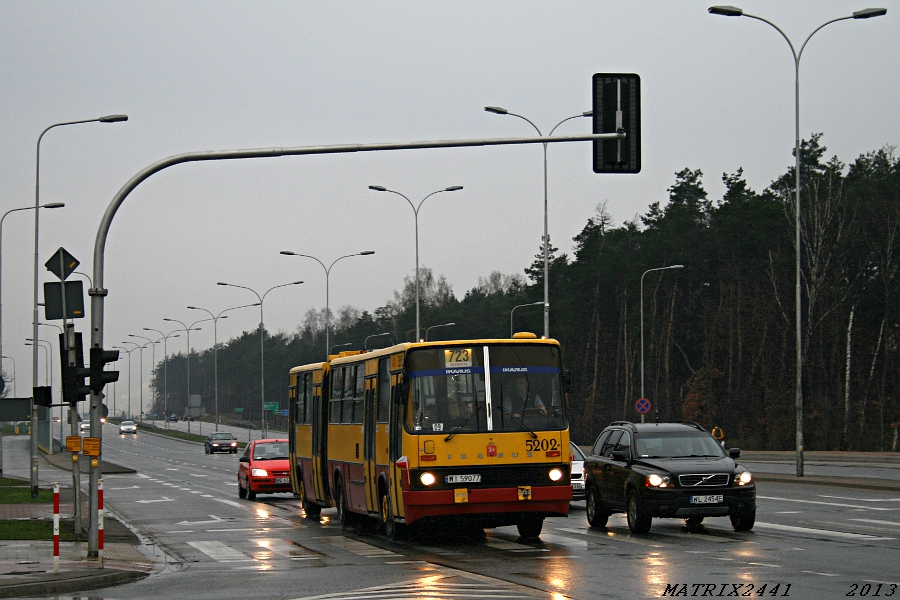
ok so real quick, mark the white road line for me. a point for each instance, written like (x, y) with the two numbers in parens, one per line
(163, 499)
(877, 522)
(356, 547)
(562, 540)
(825, 532)
(229, 502)
(615, 537)
(825, 503)
(861, 499)
(220, 552)
(285, 549)
(820, 573)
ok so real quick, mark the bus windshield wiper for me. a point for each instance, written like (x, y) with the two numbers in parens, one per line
(461, 425)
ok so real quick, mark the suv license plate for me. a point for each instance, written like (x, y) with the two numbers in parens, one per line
(462, 479)
(713, 499)
(282, 480)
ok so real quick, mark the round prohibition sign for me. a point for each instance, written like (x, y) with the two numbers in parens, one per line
(642, 406)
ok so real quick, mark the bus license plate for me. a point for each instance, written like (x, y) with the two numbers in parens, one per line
(712, 499)
(462, 479)
(282, 480)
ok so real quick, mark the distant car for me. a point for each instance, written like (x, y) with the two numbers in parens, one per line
(674, 470)
(55, 419)
(173, 418)
(577, 472)
(127, 427)
(84, 426)
(264, 469)
(220, 442)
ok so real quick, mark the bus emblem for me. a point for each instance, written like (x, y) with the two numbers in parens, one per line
(491, 449)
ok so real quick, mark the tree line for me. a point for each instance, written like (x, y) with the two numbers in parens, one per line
(718, 334)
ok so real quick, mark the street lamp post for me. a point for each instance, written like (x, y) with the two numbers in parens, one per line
(129, 375)
(165, 371)
(61, 389)
(141, 371)
(47, 367)
(731, 11)
(262, 338)
(50, 205)
(152, 359)
(452, 188)
(95, 428)
(642, 329)
(434, 326)
(215, 320)
(511, 333)
(546, 243)
(188, 331)
(327, 274)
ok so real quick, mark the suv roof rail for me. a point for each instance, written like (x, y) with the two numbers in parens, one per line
(693, 424)
(629, 423)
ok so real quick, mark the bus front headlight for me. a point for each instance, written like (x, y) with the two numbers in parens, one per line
(427, 478)
(556, 474)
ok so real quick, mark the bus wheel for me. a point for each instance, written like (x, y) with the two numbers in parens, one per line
(311, 509)
(530, 527)
(391, 528)
(344, 517)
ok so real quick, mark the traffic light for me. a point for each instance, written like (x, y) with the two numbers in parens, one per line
(43, 396)
(74, 386)
(100, 377)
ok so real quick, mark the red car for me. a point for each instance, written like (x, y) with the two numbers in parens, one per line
(264, 469)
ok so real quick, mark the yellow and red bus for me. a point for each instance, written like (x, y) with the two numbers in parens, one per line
(470, 432)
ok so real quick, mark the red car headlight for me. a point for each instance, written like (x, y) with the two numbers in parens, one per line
(259, 473)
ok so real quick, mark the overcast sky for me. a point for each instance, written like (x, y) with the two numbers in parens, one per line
(717, 95)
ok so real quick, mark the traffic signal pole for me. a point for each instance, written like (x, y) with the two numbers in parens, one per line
(98, 292)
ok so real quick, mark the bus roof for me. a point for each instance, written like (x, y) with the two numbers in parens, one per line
(406, 346)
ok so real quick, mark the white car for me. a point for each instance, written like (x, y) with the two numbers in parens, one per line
(84, 426)
(577, 472)
(127, 427)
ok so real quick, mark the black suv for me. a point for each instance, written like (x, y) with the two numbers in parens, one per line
(220, 442)
(675, 470)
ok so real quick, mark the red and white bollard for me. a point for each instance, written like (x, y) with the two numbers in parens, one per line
(56, 529)
(100, 522)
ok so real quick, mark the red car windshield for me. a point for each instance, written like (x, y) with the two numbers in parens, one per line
(270, 451)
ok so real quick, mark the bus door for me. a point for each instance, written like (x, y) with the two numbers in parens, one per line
(320, 437)
(371, 478)
(395, 444)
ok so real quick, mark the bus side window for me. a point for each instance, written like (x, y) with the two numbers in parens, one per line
(337, 388)
(359, 394)
(384, 390)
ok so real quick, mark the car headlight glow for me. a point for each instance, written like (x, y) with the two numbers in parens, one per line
(660, 481)
(556, 474)
(259, 473)
(745, 478)
(427, 478)
(233, 444)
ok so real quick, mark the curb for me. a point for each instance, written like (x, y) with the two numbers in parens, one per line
(72, 581)
(880, 485)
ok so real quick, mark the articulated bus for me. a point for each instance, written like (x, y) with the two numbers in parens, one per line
(466, 433)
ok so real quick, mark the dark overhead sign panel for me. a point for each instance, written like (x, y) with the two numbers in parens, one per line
(617, 107)
(53, 300)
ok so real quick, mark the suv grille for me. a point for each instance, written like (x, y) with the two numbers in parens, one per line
(716, 479)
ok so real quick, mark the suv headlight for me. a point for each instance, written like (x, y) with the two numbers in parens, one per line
(744, 478)
(661, 481)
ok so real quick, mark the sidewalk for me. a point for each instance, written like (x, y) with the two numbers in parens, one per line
(877, 471)
(26, 566)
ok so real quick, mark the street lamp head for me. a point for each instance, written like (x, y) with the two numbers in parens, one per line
(378, 188)
(295, 283)
(496, 110)
(676, 267)
(113, 118)
(54, 205)
(193, 308)
(164, 319)
(288, 253)
(366, 252)
(587, 113)
(868, 13)
(726, 11)
(453, 188)
(222, 283)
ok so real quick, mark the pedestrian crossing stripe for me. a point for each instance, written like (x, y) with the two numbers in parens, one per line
(433, 588)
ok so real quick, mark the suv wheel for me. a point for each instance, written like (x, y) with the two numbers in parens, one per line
(743, 521)
(596, 515)
(638, 520)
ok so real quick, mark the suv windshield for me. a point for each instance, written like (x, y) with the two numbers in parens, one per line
(221, 436)
(677, 444)
(454, 392)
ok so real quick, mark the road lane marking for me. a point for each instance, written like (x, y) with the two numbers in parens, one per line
(820, 573)
(877, 522)
(826, 503)
(220, 552)
(562, 540)
(825, 532)
(861, 499)
(229, 502)
(285, 549)
(357, 547)
(214, 518)
(613, 536)
(164, 499)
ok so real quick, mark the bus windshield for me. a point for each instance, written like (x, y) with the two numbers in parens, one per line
(513, 387)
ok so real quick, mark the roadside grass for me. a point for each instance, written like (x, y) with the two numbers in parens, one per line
(181, 435)
(35, 529)
(15, 491)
